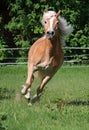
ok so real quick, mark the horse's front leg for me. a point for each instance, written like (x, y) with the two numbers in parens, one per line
(40, 88)
(26, 90)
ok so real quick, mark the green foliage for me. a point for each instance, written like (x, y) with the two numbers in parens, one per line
(25, 22)
(3, 54)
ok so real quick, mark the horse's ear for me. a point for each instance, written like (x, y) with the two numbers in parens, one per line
(58, 13)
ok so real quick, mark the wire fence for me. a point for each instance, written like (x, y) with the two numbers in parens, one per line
(68, 59)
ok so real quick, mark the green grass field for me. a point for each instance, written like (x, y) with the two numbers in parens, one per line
(64, 104)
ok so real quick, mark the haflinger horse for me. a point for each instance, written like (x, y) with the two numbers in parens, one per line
(46, 55)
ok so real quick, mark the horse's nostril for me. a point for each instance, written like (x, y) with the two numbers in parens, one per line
(52, 32)
(48, 32)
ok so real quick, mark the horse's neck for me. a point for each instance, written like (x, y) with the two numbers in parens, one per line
(56, 42)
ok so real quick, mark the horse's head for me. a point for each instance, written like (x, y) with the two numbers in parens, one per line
(50, 23)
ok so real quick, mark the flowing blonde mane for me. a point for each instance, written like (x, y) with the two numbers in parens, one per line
(64, 28)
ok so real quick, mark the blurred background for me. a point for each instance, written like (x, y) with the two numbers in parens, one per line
(20, 26)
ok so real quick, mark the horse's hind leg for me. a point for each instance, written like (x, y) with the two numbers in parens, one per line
(26, 88)
(43, 83)
(40, 88)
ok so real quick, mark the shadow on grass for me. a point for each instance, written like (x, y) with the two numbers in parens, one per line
(78, 103)
(6, 93)
(72, 103)
(61, 103)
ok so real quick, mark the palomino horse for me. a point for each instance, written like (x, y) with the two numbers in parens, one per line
(46, 55)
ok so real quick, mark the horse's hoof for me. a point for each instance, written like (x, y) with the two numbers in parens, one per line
(23, 91)
(36, 98)
(27, 100)
(29, 104)
(27, 96)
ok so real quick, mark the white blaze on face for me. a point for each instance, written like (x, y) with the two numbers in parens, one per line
(51, 24)
(50, 27)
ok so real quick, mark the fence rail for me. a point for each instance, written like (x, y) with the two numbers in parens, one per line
(77, 48)
(25, 48)
(65, 57)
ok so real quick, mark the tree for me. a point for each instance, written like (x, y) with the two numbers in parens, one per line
(24, 23)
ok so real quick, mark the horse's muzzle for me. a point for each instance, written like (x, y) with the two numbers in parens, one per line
(50, 34)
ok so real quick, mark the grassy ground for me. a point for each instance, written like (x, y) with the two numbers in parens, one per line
(64, 104)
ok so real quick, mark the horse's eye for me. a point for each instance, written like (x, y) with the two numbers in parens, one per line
(57, 23)
(45, 22)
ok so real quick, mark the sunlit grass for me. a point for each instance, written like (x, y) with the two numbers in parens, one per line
(64, 104)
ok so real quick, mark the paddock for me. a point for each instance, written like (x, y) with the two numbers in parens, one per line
(64, 103)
